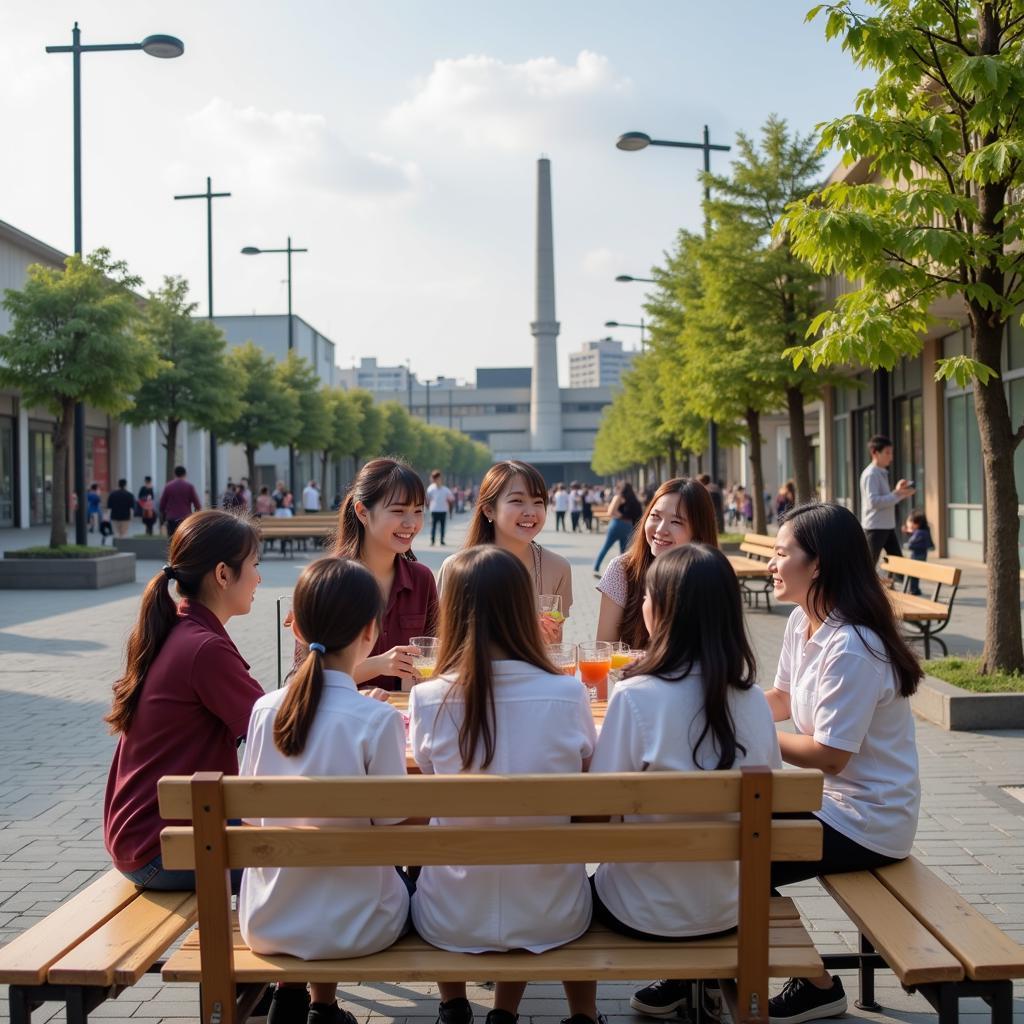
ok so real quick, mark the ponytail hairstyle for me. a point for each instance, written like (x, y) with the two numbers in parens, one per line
(497, 480)
(695, 503)
(379, 482)
(698, 624)
(334, 601)
(202, 541)
(847, 586)
(488, 610)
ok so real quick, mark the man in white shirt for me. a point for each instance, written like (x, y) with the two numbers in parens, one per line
(439, 501)
(878, 503)
(311, 497)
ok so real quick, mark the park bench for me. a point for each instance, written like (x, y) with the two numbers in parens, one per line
(751, 568)
(932, 939)
(769, 942)
(925, 616)
(92, 947)
(315, 527)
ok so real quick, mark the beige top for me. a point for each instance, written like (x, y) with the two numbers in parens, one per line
(551, 574)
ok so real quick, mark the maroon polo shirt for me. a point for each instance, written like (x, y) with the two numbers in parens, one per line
(178, 499)
(194, 706)
(411, 611)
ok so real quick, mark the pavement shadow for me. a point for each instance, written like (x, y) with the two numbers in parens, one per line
(18, 643)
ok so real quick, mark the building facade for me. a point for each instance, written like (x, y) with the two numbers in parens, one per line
(599, 364)
(370, 376)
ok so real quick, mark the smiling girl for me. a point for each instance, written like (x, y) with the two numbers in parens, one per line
(185, 696)
(510, 512)
(378, 522)
(681, 512)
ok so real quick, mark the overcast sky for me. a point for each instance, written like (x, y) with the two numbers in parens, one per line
(397, 140)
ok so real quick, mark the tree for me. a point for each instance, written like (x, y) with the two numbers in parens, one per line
(400, 435)
(193, 383)
(73, 339)
(311, 429)
(267, 409)
(940, 218)
(373, 429)
(344, 436)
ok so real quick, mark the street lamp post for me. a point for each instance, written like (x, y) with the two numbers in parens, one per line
(633, 141)
(252, 250)
(642, 327)
(209, 195)
(156, 46)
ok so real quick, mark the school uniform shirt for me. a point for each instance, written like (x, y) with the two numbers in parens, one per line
(843, 691)
(542, 724)
(314, 913)
(193, 708)
(411, 611)
(652, 725)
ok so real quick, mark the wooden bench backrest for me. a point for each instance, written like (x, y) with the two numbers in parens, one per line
(210, 846)
(762, 540)
(947, 575)
(758, 551)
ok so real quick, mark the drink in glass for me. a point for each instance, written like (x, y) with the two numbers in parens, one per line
(563, 657)
(425, 663)
(595, 661)
(550, 607)
(622, 655)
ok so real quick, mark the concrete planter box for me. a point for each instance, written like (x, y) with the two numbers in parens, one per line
(962, 711)
(66, 573)
(144, 548)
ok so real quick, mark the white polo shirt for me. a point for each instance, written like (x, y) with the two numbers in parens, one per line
(542, 724)
(316, 913)
(438, 497)
(843, 691)
(652, 725)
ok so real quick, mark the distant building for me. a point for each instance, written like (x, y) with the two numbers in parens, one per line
(504, 377)
(370, 376)
(599, 364)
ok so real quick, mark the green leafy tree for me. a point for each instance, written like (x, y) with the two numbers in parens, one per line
(193, 383)
(73, 339)
(400, 436)
(312, 427)
(373, 427)
(936, 220)
(344, 437)
(267, 410)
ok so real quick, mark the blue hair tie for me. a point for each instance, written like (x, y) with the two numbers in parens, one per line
(318, 647)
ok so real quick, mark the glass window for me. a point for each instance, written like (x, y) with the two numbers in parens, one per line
(914, 373)
(1016, 415)
(6, 471)
(976, 487)
(841, 456)
(956, 420)
(1016, 343)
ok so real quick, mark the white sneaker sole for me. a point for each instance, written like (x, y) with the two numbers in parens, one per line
(833, 1009)
(668, 1010)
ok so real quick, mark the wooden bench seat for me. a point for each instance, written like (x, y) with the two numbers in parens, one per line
(931, 938)
(770, 940)
(287, 530)
(925, 616)
(91, 947)
(751, 568)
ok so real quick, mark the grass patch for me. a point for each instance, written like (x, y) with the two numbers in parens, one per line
(964, 672)
(63, 551)
(731, 538)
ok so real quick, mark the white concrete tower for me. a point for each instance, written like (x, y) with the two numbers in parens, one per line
(545, 399)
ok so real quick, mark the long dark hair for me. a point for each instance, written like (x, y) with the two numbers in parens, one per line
(487, 602)
(847, 587)
(698, 623)
(630, 508)
(334, 601)
(696, 505)
(495, 482)
(380, 481)
(202, 541)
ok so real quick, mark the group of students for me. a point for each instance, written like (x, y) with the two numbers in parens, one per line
(498, 704)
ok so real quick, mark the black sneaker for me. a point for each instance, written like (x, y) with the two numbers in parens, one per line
(663, 998)
(582, 1018)
(328, 1013)
(455, 1011)
(501, 1017)
(799, 1001)
(288, 1006)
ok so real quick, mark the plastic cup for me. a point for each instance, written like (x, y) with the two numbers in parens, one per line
(425, 663)
(595, 661)
(563, 657)
(622, 655)
(550, 606)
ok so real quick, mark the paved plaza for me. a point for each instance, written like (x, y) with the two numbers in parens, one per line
(60, 651)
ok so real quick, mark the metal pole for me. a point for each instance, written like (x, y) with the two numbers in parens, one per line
(209, 312)
(79, 458)
(291, 345)
(712, 425)
(428, 401)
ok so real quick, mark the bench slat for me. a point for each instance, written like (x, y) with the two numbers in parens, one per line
(540, 844)
(984, 949)
(948, 575)
(746, 568)
(911, 608)
(492, 795)
(26, 958)
(139, 934)
(910, 949)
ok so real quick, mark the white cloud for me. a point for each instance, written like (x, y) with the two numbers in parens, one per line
(275, 153)
(482, 102)
(601, 263)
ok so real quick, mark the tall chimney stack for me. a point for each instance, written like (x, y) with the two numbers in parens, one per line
(545, 399)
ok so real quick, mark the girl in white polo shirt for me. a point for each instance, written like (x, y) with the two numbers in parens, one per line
(692, 704)
(320, 724)
(500, 707)
(845, 679)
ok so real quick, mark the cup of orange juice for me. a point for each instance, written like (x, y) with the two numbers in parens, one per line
(563, 657)
(622, 655)
(425, 663)
(595, 661)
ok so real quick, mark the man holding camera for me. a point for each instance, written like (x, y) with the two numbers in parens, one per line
(878, 502)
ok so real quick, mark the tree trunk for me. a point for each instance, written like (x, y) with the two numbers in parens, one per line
(673, 460)
(171, 446)
(757, 469)
(250, 462)
(799, 446)
(59, 495)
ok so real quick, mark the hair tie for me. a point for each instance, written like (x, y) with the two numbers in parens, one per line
(318, 647)
(169, 572)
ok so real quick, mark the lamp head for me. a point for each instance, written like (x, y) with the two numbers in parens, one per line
(624, 277)
(164, 47)
(632, 141)
(611, 323)
(250, 250)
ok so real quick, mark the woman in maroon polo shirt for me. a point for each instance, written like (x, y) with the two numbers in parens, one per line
(377, 524)
(186, 694)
